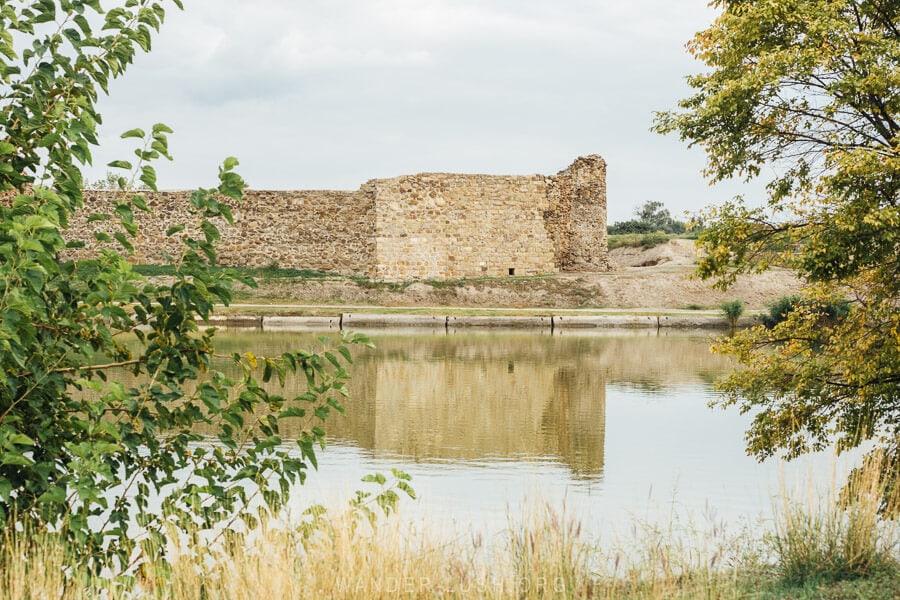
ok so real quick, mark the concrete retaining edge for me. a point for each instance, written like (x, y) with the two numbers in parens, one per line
(504, 321)
(362, 320)
(294, 323)
(704, 322)
(605, 321)
(234, 321)
(370, 321)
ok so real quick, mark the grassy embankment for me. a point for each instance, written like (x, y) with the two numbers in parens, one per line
(573, 300)
(823, 548)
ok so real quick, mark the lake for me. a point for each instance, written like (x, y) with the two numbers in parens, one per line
(613, 426)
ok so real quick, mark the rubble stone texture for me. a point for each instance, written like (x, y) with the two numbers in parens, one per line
(426, 226)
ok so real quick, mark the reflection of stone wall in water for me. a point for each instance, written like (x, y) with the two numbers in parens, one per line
(574, 418)
(458, 397)
(447, 409)
(431, 225)
(477, 396)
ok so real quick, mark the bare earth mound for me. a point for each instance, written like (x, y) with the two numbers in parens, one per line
(659, 277)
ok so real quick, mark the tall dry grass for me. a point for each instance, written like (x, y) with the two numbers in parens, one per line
(33, 566)
(840, 533)
(544, 555)
(347, 558)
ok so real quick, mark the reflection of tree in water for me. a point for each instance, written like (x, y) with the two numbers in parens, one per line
(573, 423)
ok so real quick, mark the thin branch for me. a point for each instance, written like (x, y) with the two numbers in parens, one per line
(125, 363)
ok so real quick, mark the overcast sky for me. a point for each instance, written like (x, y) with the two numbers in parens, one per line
(326, 94)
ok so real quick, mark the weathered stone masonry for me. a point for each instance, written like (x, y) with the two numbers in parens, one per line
(427, 226)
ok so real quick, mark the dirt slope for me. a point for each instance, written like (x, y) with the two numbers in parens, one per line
(659, 277)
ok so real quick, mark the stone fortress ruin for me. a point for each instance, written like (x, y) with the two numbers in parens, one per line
(426, 226)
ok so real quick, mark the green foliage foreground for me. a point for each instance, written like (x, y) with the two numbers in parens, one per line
(808, 90)
(83, 457)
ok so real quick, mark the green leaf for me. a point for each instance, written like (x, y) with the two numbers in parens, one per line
(140, 201)
(83, 24)
(55, 495)
(125, 212)
(126, 244)
(21, 439)
(374, 478)
(134, 133)
(15, 459)
(402, 485)
(292, 412)
(148, 177)
(6, 486)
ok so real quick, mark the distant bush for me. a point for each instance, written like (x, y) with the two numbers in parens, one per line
(373, 284)
(781, 308)
(635, 240)
(630, 226)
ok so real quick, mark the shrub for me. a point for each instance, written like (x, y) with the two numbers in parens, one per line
(732, 309)
(828, 312)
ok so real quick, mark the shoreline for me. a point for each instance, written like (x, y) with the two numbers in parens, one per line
(551, 322)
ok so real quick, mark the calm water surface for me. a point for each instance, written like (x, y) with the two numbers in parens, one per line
(610, 426)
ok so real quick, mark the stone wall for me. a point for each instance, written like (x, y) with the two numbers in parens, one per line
(322, 230)
(427, 226)
(438, 225)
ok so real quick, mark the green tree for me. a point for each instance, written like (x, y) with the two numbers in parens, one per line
(81, 453)
(808, 91)
(658, 216)
(651, 216)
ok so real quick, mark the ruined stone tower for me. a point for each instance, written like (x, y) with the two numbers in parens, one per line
(576, 218)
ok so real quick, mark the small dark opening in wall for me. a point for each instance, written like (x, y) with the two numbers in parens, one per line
(512, 271)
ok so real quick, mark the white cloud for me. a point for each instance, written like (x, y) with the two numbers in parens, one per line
(328, 93)
(297, 51)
